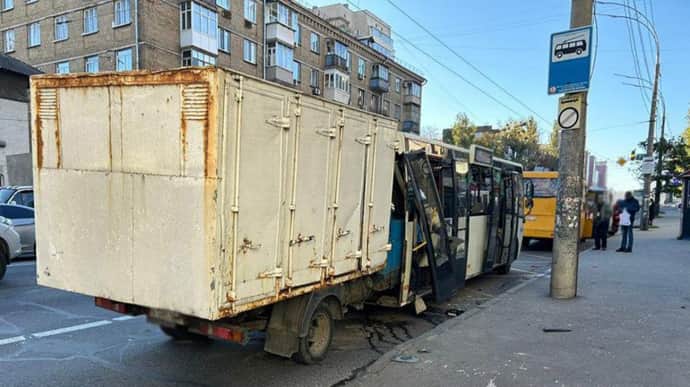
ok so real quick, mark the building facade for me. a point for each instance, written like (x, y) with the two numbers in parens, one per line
(15, 156)
(278, 40)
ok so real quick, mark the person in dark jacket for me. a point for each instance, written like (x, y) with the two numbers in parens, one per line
(602, 218)
(628, 208)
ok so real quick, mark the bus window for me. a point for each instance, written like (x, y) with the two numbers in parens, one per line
(480, 189)
(545, 188)
(461, 171)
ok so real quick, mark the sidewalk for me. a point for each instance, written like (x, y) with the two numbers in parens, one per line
(630, 326)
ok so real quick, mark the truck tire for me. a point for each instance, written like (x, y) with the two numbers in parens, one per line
(314, 346)
(4, 258)
(183, 334)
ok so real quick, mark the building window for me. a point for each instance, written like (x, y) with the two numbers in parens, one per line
(280, 55)
(186, 16)
(361, 68)
(386, 108)
(200, 19)
(414, 89)
(223, 40)
(396, 112)
(223, 3)
(7, 5)
(314, 78)
(296, 27)
(278, 12)
(90, 20)
(197, 58)
(397, 84)
(123, 60)
(341, 51)
(374, 103)
(361, 98)
(314, 43)
(121, 13)
(379, 71)
(62, 68)
(337, 81)
(61, 29)
(296, 72)
(91, 64)
(249, 51)
(250, 11)
(34, 34)
(9, 40)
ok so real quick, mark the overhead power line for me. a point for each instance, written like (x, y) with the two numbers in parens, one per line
(468, 63)
(450, 69)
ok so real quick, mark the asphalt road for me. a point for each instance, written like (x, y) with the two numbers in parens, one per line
(56, 338)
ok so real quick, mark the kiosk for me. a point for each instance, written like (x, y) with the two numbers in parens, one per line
(685, 207)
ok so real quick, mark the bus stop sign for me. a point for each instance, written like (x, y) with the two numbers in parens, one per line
(570, 61)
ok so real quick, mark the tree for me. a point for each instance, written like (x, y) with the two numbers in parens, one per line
(431, 132)
(462, 132)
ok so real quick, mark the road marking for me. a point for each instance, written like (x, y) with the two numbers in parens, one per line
(72, 328)
(123, 318)
(20, 264)
(523, 271)
(11, 340)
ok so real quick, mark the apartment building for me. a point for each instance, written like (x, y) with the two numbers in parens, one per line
(278, 40)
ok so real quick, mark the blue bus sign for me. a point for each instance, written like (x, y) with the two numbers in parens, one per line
(570, 60)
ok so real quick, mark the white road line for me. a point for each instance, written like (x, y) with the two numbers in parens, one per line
(123, 318)
(19, 264)
(523, 271)
(11, 340)
(72, 328)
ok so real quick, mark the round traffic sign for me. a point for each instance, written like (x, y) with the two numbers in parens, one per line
(568, 118)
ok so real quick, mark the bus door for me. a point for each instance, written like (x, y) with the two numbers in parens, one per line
(453, 186)
(495, 222)
(509, 218)
(433, 226)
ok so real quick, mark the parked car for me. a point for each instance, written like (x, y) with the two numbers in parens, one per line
(22, 195)
(10, 244)
(22, 218)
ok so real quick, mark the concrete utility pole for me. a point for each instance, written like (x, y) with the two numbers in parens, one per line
(571, 171)
(660, 162)
(644, 221)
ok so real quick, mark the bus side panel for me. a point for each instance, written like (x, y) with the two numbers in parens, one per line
(478, 227)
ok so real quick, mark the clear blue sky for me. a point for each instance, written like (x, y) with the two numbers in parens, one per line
(509, 40)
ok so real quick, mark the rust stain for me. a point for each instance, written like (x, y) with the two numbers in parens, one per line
(132, 78)
(58, 140)
(183, 140)
(37, 125)
(294, 292)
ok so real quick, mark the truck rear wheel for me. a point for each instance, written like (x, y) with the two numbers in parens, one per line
(182, 334)
(314, 346)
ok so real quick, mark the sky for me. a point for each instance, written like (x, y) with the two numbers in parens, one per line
(508, 40)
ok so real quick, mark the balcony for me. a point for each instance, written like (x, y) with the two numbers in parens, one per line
(336, 94)
(278, 74)
(276, 31)
(379, 85)
(192, 38)
(412, 99)
(410, 126)
(337, 62)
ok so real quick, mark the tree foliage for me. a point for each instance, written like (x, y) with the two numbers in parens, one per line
(516, 140)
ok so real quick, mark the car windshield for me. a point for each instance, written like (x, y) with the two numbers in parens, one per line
(5, 194)
(545, 188)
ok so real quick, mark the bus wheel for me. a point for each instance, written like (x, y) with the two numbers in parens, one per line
(578, 51)
(503, 269)
(525, 243)
(314, 346)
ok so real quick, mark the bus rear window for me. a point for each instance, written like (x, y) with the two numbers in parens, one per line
(545, 188)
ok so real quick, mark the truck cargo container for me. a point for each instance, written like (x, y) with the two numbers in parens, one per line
(218, 204)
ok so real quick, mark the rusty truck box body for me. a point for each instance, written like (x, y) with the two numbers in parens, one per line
(203, 191)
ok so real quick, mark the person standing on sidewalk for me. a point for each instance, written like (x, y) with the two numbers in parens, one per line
(602, 217)
(628, 207)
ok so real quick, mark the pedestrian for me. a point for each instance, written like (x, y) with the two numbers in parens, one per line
(652, 211)
(602, 218)
(628, 207)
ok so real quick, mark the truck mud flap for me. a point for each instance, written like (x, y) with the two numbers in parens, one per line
(430, 212)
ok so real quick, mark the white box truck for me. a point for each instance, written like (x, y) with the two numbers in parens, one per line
(216, 203)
